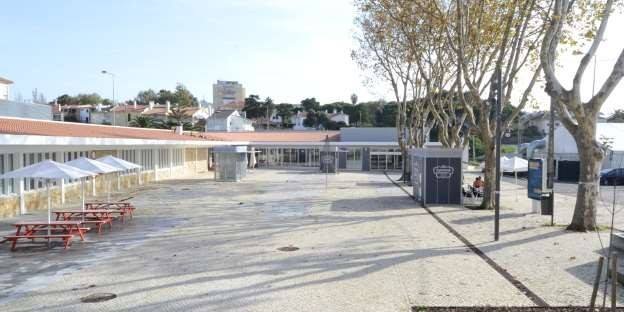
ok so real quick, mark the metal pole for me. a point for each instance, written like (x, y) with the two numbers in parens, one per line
(592, 303)
(550, 170)
(614, 257)
(114, 113)
(499, 94)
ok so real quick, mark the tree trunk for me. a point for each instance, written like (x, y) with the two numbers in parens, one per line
(489, 174)
(590, 156)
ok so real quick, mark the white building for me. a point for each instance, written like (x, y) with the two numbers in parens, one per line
(228, 95)
(299, 119)
(339, 117)
(229, 121)
(4, 88)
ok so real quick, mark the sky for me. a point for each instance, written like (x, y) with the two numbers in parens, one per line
(286, 49)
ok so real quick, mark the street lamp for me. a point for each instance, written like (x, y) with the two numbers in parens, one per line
(113, 78)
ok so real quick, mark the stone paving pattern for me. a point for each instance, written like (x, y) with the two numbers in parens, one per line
(364, 245)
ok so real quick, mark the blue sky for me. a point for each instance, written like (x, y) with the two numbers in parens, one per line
(288, 50)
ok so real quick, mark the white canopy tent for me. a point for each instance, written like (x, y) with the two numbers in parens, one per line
(49, 170)
(121, 164)
(94, 166)
(514, 164)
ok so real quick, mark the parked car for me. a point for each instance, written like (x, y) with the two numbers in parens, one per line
(613, 176)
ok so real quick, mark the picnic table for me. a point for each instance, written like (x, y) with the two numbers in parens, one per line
(31, 229)
(99, 217)
(124, 208)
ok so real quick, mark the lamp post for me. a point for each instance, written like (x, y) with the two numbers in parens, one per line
(113, 78)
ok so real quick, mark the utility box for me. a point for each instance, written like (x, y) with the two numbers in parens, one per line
(230, 163)
(437, 175)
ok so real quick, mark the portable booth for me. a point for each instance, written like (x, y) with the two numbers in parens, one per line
(230, 163)
(437, 175)
(329, 159)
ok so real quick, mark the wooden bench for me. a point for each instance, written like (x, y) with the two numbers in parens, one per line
(14, 238)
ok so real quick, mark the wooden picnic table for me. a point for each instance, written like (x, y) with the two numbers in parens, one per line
(125, 208)
(30, 230)
(99, 217)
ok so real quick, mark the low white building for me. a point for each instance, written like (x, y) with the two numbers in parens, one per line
(566, 155)
(339, 117)
(229, 121)
(299, 119)
(4, 88)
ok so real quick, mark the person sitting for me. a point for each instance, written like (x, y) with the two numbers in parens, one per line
(477, 187)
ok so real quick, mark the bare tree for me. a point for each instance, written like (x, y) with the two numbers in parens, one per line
(577, 116)
(382, 52)
(486, 35)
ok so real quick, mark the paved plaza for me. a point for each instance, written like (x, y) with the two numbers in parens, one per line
(363, 245)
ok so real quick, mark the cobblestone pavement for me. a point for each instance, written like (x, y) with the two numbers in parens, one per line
(196, 244)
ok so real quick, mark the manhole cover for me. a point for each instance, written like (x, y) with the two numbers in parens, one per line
(288, 248)
(98, 297)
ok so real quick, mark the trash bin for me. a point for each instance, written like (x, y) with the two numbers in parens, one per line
(437, 175)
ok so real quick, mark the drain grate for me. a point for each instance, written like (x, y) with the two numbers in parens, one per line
(98, 297)
(288, 248)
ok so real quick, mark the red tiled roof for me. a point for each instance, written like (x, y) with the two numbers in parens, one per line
(20, 126)
(129, 108)
(68, 129)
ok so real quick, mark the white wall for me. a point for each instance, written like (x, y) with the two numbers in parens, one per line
(4, 91)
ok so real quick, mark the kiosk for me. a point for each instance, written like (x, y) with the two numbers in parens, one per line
(230, 163)
(437, 175)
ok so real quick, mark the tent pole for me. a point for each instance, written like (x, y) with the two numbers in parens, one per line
(49, 209)
(82, 184)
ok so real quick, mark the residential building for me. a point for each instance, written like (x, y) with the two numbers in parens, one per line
(228, 95)
(228, 121)
(338, 117)
(299, 122)
(125, 113)
(4, 88)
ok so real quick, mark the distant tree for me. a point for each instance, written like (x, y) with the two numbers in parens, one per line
(183, 97)
(311, 120)
(65, 99)
(253, 106)
(90, 98)
(18, 97)
(617, 116)
(354, 99)
(107, 102)
(388, 115)
(164, 96)
(310, 105)
(285, 111)
(269, 107)
(142, 122)
(38, 97)
(145, 96)
(176, 116)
